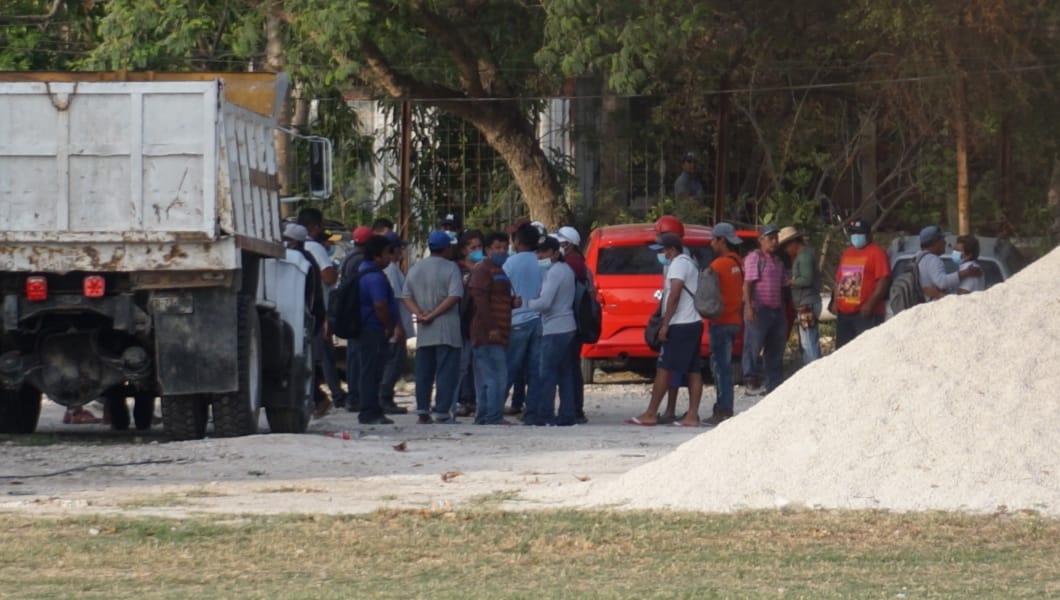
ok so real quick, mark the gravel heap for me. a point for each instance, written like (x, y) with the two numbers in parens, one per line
(953, 405)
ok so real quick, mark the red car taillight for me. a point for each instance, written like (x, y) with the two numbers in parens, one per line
(94, 286)
(36, 288)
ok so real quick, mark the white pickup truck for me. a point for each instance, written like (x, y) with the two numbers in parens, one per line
(141, 253)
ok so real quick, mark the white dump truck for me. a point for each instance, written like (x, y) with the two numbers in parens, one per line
(141, 253)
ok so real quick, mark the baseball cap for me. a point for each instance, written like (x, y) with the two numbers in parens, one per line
(787, 234)
(930, 234)
(438, 240)
(857, 226)
(768, 229)
(569, 234)
(689, 157)
(727, 231)
(666, 240)
(395, 240)
(296, 232)
(362, 234)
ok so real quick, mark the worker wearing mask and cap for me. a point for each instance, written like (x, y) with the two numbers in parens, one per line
(862, 281)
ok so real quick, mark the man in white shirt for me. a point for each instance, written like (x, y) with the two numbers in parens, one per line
(681, 333)
(313, 220)
(966, 255)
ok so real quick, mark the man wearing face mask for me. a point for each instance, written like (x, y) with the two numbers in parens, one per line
(556, 305)
(863, 279)
(490, 329)
(680, 333)
(526, 273)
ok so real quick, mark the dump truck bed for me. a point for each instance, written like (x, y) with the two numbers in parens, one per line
(119, 175)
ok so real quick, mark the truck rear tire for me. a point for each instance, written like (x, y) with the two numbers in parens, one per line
(184, 417)
(236, 414)
(294, 415)
(20, 409)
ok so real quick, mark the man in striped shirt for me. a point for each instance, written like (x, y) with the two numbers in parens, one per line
(764, 318)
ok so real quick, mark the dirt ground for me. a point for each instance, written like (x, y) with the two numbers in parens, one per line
(339, 466)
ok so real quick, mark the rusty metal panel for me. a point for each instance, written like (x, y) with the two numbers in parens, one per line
(64, 257)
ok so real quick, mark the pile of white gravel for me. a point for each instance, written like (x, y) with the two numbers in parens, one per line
(953, 405)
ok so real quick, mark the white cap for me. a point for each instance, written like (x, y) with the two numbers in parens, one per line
(569, 234)
(296, 232)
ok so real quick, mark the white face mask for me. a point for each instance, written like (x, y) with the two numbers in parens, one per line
(956, 256)
(544, 263)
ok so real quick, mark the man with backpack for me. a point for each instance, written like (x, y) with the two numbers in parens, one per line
(379, 322)
(934, 281)
(862, 281)
(570, 246)
(726, 326)
(680, 334)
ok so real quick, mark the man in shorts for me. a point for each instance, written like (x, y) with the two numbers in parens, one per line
(681, 332)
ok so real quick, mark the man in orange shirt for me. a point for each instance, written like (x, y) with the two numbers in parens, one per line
(723, 330)
(862, 280)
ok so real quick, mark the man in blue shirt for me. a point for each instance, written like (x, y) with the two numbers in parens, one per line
(380, 322)
(524, 346)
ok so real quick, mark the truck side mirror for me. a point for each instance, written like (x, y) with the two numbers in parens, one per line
(320, 168)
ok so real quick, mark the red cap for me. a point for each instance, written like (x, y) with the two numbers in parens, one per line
(362, 234)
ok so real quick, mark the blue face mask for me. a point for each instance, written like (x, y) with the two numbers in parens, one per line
(499, 258)
(661, 257)
(476, 256)
(859, 240)
(544, 263)
(956, 256)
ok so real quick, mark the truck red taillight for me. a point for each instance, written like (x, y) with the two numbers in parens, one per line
(94, 286)
(36, 288)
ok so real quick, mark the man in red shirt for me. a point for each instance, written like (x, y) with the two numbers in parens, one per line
(862, 280)
(724, 329)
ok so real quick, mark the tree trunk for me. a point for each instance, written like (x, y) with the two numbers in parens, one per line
(274, 63)
(1053, 201)
(507, 131)
(961, 127)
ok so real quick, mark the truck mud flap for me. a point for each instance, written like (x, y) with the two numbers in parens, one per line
(195, 341)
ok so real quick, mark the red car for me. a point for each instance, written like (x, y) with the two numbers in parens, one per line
(628, 280)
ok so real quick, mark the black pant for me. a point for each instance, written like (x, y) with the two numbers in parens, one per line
(850, 326)
(371, 358)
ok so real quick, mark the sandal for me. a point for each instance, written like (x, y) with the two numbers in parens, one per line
(80, 416)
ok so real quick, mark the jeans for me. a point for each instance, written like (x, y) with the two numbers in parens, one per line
(768, 334)
(722, 338)
(353, 381)
(556, 372)
(465, 385)
(491, 383)
(848, 327)
(524, 354)
(436, 365)
(392, 370)
(810, 338)
(371, 352)
(325, 353)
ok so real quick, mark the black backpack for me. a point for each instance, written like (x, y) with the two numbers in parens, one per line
(906, 291)
(587, 312)
(344, 306)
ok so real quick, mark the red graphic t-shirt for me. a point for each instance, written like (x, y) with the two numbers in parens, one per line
(857, 275)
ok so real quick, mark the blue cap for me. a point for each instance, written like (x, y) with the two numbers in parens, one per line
(438, 240)
(666, 240)
(931, 234)
(727, 231)
(768, 229)
(395, 240)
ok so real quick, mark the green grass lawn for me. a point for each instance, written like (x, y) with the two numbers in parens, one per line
(568, 554)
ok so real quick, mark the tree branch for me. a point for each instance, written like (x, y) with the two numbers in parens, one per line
(444, 32)
(34, 18)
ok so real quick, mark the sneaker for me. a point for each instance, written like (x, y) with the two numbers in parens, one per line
(424, 420)
(80, 416)
(715, 419)
(322, 408)
(389, 408)
(378, 421)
